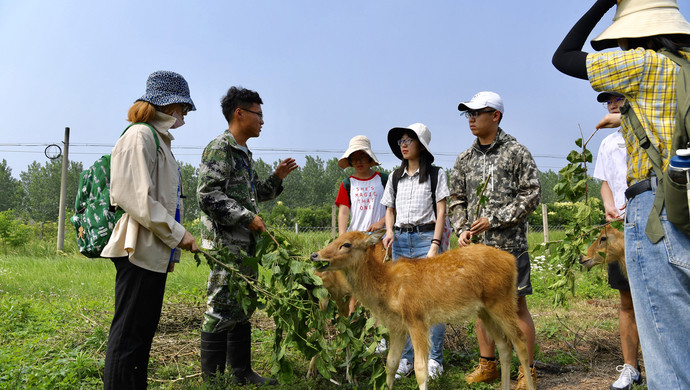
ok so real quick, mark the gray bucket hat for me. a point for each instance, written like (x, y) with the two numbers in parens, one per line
(164, 87)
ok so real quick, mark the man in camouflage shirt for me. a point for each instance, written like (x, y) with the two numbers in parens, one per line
(229, 192)
(513, 191)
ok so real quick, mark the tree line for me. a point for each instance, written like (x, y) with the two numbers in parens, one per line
(313, 186)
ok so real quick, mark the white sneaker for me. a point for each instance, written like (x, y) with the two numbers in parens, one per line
(382, 347)
(435, 369)
(404, 368)
(629, 375)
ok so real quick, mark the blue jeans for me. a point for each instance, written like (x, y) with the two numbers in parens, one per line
(659, 276)
(416, 245)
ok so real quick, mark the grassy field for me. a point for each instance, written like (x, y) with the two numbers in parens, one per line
(55, 312)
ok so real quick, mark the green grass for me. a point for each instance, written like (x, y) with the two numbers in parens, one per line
(55, 312)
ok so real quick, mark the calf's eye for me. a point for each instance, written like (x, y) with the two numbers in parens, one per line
(346, 245)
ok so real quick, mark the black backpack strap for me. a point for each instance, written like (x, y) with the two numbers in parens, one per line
(642, 138)
(346, 184)
(384, 178)
(434, 183)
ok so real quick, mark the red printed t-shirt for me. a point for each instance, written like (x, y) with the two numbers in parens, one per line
(364, 201)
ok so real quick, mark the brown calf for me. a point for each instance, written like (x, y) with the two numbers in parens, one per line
(607, 248)
(410, 295)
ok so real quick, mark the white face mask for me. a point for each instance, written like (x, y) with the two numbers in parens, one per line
(179, 120)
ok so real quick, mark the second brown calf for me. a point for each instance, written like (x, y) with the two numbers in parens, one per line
(609, 247)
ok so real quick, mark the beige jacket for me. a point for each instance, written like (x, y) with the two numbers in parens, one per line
(144, 183)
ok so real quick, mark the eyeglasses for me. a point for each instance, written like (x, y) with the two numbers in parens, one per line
(259, 113)
(612, 101)
(475, 113)
(405, 141)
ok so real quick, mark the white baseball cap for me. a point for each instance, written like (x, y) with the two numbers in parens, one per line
(482, 100)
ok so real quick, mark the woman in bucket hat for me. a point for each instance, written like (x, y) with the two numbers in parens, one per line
(414, 224)
(359, 196)
(657, 254)
(146, 241)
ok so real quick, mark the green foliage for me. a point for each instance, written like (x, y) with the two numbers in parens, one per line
(281, 215)
(313, 185)
(10, 189)
(42, 188)
(580, 212)
(307, 216)
(287, 289)
(564, 213)
(190, 180)
(13, 233)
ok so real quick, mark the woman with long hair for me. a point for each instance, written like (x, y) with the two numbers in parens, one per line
(414, 221)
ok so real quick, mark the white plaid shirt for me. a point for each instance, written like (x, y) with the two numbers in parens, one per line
(413, 204)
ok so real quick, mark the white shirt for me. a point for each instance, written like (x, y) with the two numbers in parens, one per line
(365, 205)
(413, 204)
(611, 166)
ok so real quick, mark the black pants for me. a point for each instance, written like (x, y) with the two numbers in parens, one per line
(138, 303)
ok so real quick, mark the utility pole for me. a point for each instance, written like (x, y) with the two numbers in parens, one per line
(63, 193)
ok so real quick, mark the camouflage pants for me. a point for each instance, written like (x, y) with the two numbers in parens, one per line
(223, 309)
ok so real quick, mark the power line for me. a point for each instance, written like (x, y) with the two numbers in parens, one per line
(259, 149)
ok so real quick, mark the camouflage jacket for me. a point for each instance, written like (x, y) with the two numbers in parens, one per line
(229, 192)
(513, 191)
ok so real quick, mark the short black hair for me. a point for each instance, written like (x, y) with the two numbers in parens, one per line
(238, 97)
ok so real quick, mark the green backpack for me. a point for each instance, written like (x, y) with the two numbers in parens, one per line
(94, 217)
(672, 196)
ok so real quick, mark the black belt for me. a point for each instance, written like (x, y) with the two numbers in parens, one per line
(638, 188)
(419, 228)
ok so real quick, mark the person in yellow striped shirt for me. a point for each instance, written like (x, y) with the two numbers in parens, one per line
(658, 264)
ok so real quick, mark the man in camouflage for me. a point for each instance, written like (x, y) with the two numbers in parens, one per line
(511, 179)
(229, 192)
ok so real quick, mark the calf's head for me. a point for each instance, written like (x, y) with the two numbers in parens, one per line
(347, 250)
(607, 248)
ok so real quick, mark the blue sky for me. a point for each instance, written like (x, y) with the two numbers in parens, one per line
(326, 71)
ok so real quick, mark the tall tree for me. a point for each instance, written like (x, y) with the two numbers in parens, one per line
(41, 185)
(190, 180)
(548, 181)
(10, 189)
(313, 183)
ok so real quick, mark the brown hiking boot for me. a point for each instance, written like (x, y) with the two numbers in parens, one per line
(486, 371)
(522, 382)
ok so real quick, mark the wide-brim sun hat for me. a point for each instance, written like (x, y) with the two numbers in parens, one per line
(642, 18)
(358, 142)
(418, 131)
(164, 87)
(481, 100)
(606, 96)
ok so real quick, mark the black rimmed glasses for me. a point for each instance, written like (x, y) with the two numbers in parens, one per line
(405, 141)
(612, 101)
(259, 113)
(475, 113)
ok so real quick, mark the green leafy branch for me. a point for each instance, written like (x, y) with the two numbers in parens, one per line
(283, 284)
(481, 202)
(565, 254)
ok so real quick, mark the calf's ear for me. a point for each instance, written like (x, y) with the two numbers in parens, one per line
(375, 237)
